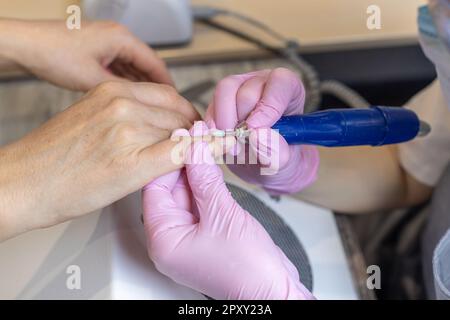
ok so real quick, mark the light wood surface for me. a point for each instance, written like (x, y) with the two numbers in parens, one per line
(35, 9)
(317, 24)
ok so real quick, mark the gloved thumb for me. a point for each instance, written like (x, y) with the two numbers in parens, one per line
(283, 95)
(160, 210)
(207, 183)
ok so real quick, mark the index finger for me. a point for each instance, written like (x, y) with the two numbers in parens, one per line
(225, 100)
(163, 96)
(283, 94)
(147, 61)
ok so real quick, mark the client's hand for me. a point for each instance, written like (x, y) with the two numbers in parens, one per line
(107, 145)
(79, 59)
(260, 99)
(200, 237)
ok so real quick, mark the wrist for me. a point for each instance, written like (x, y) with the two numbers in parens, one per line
(18, 209)
(7, 223)
(15, 43)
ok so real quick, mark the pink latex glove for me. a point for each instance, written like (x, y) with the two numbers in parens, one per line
(261, 98)
(200, 237)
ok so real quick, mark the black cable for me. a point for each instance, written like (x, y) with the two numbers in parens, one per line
(289, 51)
(240, 35)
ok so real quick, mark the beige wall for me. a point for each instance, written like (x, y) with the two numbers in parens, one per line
(32, 9)
(317, 24)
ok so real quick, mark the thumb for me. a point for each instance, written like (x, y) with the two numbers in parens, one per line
(283, 94)
(207, 184)
(160, 210)
(96, 74)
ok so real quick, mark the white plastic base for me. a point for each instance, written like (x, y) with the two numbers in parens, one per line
(109, 249)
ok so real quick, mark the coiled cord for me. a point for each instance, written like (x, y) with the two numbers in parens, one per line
(289, 49)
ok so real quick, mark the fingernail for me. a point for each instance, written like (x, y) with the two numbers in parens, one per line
(199, 129)
(179, 133)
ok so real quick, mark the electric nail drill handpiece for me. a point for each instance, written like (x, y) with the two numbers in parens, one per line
(375, 126)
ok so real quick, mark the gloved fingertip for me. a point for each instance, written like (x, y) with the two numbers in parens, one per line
(209, 118)
(284, 152)
(210, 123)
(253, 121)
(264, 115)
(202, 153)
(199, 129)
(166, 182)
(269, 147)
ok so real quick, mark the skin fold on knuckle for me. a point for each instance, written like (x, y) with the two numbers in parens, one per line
(124, 143)
(224, 86)
(120, 108)
(247, 96)
(286, 73)
(167, 119)
(181, 122)
(178, 103)
(113, 27)
(160, 134)
(290, 77)
(227, 83)
(267, 110)
(108, 89)
(170, 93)
(157, 62)
(188, 110)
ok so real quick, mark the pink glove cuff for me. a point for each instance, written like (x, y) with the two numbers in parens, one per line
(299, 292)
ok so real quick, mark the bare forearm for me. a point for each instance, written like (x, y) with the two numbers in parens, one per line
(363, 179)
(15, 196)
(10, 43)
(13, 42)
(8, 66)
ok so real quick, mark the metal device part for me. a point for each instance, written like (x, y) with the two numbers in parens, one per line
(156, 22)
(424, 129)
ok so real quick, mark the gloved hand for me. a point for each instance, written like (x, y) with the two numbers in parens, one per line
(200, 237)
(434, 26)
(261, 98)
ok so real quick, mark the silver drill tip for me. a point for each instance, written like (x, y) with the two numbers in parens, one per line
(237, 133)
(424, 129)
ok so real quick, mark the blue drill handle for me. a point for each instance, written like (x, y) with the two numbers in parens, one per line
(373, 126)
